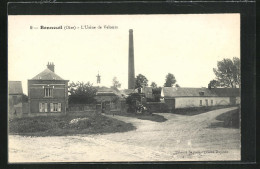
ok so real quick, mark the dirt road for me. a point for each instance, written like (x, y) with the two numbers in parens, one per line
(180, 138)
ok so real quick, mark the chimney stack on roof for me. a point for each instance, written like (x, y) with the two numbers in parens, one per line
(50, 66)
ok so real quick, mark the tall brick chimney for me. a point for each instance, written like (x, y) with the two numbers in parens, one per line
(50, 66)
(131, 65)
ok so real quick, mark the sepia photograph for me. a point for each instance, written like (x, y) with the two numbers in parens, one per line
(124, 88)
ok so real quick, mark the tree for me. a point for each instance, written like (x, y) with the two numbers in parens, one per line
(177, 85)
(153, 85)
(116, 83)
(24, 98)
(237, 73)
(157, 94)
(170, 80)
(130, 100)
(140, 82)
(81, 93)
(228, 72)
(213, 84)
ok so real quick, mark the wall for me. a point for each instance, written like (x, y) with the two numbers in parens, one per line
(36, 90)
(82, 107)
(36, 94)
(158, 107)
(170, 103)
(25, 108)
(184, 102)
(21, 109)
(119, 106)
(14, 99)
(15, 104)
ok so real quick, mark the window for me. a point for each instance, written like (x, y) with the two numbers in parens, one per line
(200, 102)
(43, 107)
(55, 107)
(48, 92)
(207, 104)
(211, 102)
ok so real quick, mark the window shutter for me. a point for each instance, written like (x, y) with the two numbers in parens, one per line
(51, 104)
(46, 107)
(40, 107)
(45, 93)
(59, 107)
(43, 105)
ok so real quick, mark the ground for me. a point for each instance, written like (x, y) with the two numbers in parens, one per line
(180, 138)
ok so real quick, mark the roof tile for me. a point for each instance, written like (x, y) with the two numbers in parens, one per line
(47, 74)
(191, 92)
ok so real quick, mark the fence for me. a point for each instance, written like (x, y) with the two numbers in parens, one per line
(158, 107)
(81, 107)
(107, 108)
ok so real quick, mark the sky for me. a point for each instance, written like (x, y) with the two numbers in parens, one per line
(186, 45)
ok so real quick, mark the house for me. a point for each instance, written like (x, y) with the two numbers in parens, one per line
(179, 97)
(232, 93)
(15, 96)
(109, 99)
(48, 92)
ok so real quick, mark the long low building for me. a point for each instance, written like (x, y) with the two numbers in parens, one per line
(179, 97)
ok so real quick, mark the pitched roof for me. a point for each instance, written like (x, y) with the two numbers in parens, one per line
(230, 92)
(105, 94)
(47, 74)
(128, 91)
(15, 87)
(105, 91)
(192, 92)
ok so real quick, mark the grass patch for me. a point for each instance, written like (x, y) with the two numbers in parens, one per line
(65, 125)
(229, 119)
(151, 117)
(197, 110)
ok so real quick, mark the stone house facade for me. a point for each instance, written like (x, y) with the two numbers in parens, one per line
(48, 92)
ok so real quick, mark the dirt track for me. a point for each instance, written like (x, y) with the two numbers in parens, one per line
(187, 138)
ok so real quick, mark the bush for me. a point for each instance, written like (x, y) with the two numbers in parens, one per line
(229, 119)
(61, 125)
(197, 110)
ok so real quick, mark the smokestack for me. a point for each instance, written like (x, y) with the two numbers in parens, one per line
(50, 66)
(131, 66)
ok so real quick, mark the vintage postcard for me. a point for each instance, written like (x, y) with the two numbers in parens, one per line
(124, 88)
